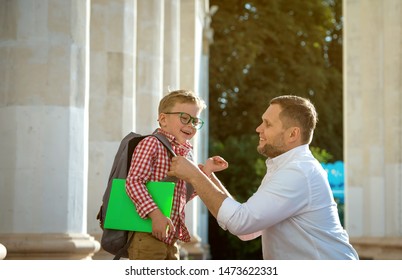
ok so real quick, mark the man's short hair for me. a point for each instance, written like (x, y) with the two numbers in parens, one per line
(298, 111)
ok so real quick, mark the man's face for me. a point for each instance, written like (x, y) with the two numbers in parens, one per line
(272, 133)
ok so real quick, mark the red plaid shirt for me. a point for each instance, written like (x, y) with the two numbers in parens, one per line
(151, 162)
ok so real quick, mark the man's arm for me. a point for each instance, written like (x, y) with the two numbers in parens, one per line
(218, 183)
(212, 165)
(212, 195)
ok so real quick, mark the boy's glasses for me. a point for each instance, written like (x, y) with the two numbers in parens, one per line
(185, 118)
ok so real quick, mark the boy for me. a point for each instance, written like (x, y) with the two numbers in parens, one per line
(178, 120)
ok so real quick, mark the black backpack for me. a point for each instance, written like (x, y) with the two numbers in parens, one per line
(117, 242)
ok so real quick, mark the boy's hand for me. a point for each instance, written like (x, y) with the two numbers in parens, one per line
(214, 164)
(161, 225)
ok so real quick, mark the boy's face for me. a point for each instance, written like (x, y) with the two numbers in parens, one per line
(172, 124)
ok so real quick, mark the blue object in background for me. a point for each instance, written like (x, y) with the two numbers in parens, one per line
(336, 178)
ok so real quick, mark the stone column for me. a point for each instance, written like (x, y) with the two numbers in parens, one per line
(112, 95)
(3, 252)
(149, 67)
(192, 15)
(44, 128)
(171, 46)
(207, 39)
(373, 127)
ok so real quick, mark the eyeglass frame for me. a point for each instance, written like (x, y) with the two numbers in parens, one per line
(191, 119)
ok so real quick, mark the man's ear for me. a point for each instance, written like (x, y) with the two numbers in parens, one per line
(294, 134)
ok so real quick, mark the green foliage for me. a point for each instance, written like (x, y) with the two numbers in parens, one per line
(241, 152)
(261, 51)
(225, 246)
(341, 212)
(242, 178)
(321, 154)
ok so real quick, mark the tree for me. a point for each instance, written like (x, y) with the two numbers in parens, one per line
(263, 49)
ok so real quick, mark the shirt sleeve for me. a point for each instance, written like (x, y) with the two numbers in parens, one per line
(277, 199)
(145, 156)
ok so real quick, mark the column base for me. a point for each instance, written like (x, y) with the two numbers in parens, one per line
(3, 252)
(102, 254)
(29, 246)
(378, 248)
(188, 251)
(193, 250)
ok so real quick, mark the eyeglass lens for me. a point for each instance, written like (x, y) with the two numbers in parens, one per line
(186, 119)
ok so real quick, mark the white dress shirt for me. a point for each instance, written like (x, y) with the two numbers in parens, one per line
(293, 210)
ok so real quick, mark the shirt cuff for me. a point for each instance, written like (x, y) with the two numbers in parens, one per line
(146, 208)
(226, 211)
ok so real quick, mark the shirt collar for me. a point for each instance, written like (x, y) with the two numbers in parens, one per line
(287, 156)
(187, 145)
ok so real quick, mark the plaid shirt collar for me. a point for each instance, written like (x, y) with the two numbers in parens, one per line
(186, 146)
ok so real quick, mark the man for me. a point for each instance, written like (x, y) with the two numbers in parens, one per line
(293, 210)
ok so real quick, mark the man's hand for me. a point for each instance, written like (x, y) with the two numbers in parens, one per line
(211, 194)
(183, 168)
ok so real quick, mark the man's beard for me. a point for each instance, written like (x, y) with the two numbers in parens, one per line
(270, 151)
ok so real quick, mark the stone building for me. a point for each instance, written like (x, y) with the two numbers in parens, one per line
(373, 126)
(78, 75)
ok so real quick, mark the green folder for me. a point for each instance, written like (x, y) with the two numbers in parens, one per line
(121, 213)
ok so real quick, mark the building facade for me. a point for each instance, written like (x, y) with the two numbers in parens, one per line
(373, 126)
(76, 77)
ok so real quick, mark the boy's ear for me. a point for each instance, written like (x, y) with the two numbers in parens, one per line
(162, 119)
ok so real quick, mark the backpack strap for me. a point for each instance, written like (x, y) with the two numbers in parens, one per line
(189, 187)
(168, 145)
(124, 249)
(165, 142)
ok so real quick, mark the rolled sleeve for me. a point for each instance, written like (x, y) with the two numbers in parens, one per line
(145, 208)
(273, 202)
(226, 211)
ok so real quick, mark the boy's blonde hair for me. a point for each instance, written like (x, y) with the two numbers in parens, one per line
(180, 96)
